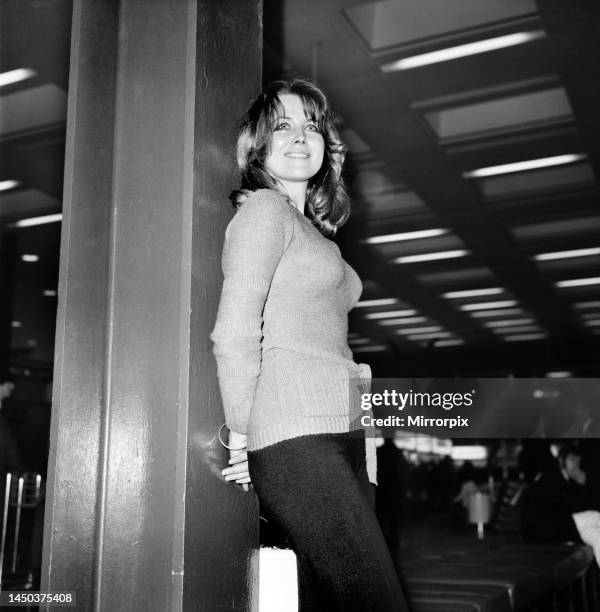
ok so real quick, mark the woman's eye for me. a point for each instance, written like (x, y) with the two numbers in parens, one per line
(282, 125)
(312, 127)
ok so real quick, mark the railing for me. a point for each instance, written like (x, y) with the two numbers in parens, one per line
(22, 492)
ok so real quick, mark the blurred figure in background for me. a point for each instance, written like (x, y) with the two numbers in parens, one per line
(391, 492)
(560, 505)
(10, 459)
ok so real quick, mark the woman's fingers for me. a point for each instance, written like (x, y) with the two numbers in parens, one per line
(238, 461)
(238, 457)
(236, 470)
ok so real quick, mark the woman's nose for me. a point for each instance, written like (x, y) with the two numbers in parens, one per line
(299, 135)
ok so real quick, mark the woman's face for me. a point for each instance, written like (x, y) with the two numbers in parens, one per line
(297, 147)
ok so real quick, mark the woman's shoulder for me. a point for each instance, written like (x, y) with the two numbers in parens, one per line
(267, 198)
(266, 205)
(264, 211)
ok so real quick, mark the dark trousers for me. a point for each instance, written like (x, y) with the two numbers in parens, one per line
(314, 488)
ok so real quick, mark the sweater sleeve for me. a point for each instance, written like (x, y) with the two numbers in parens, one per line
(255, 241)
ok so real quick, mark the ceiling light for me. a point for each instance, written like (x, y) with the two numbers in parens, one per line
(584, 305)
(449, 342)
(431, 233)
(403, 321)
(9, 184)
(500, 312)
(592, 323)
(578, 282)
(38, 220)
(567, 254)
(375, 348)
(357, 341)
(473, 293)
(530, 164)
(474, 48)
(391, 313)
(469, 453)
(488, 305)
(590, 316)
(29, 258)
(516, 329)
(49, 293)
(418, 330)
(382, 302)
(16, 324)
(431, 256)
(15, 76)
(523, 337)
(508, 322)
(559, 374)
(429, 336)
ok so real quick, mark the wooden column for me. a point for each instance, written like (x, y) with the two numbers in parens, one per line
(137, 516)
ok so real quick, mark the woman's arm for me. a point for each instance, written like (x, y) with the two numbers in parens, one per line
(255, 241)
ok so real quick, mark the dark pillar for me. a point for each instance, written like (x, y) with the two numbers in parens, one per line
(137, 516)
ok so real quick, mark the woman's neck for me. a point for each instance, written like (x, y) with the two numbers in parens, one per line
(297, 194)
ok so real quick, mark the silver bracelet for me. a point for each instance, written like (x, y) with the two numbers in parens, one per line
(223, 443)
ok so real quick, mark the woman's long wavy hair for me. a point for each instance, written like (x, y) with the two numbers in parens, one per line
(327, 203)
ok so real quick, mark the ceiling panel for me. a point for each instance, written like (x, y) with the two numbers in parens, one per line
(559, 178)
(390, 23)
(497, 116)
(26, 203)
(31, 108)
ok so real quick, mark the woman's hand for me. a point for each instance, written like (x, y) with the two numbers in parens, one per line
(238, 460)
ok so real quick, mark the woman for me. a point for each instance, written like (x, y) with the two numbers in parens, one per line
(283, 360)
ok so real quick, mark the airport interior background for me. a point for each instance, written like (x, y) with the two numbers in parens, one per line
(473, 162)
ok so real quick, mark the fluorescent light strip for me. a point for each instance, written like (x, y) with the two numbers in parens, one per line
(530, 164)
(474, 48)
(431, 256)
(488, 305)
(431, 233)
(567, 254)
(430, 336)
(38, 220)
(382, 302)
(500, 312)
(592, 323)
(584, 305)
(559, 374)
(590, 316)
(15, 76)
(516, 329)
(28, 258)
(524, 337)
(578, 282)
(391, 313)
(449, 342)
(418, 330)
(49, 293)
(376, 348)
(8, 184)
(403, 321)
(508, 322)
(473, 293)
(359, 341)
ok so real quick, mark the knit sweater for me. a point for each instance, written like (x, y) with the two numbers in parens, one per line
(280, 338)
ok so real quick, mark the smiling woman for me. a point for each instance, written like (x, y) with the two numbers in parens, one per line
(283, 359)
